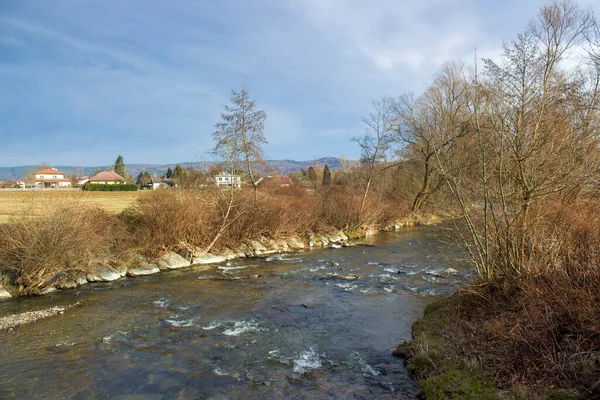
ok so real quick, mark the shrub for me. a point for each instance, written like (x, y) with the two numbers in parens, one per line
(68, 239)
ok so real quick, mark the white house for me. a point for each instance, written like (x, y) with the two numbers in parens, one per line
(50, 177)
(228, 180)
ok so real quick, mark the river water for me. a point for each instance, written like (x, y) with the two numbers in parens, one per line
(286, 329)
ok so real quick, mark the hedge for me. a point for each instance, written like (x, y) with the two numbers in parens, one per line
(95, 187)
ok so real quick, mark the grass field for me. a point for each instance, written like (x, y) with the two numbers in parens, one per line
(30, 204)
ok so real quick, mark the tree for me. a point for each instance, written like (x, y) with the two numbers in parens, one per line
(179, 172)
(376, 143)
(144, 178)
(430, 125)
(119, 166)
(239, 136)
(312, 176)
(326, 176)
(169, 173)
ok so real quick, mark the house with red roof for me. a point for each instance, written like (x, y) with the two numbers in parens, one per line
(107, 178)
(51, 178)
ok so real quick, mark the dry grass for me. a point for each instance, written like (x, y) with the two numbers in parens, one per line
(16, 205)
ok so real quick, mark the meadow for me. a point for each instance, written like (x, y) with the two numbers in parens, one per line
(18, 205)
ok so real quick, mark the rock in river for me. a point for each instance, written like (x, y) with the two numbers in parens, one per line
(102, 273)
(149, 269)
(172, 261)
(4, 294)
(208, 259)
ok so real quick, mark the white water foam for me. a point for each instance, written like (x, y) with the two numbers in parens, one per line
(182, 323)
(162, 302)
(367, 369)
(307, 361)
(234, 328)
(109, 338)
(241, 327)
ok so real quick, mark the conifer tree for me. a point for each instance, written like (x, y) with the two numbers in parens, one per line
(119, 166)
(326, 175)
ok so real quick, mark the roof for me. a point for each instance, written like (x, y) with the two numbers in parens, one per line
(285, 180)
(50, 171)
(106, 176)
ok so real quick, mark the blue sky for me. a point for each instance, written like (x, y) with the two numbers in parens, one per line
(84, 80)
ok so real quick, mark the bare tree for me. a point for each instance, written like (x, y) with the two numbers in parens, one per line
(239, 136)
(377, 143)
(431, 124)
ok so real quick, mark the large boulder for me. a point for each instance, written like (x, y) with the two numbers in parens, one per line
(208, 259)
(148, 269)
(4, 294)
(102, 273)
(172, 261)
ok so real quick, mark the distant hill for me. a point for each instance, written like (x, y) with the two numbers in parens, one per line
(281, 166)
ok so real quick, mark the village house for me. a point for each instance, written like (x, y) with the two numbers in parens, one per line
(107, 178)
(274, 181)
(50, 178)
(228, 180)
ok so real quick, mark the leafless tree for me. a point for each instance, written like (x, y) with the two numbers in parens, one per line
(239, 136)
(377, 143)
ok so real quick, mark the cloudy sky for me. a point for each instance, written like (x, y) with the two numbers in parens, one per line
(84, 80)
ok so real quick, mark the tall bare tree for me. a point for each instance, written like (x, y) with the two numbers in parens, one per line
(431, 124)
(377, 143)
(239, 136)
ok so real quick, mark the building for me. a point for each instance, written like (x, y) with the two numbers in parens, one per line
(107, 178)
(228, 180)
(50, 178)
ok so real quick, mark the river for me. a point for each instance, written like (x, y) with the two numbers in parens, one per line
(287, 329)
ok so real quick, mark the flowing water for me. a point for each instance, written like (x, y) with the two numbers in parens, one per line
(287, 329)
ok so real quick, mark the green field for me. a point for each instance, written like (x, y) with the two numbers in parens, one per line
(15, 205)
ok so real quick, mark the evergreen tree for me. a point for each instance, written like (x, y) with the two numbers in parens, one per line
(312, 176)
(169, 173)
(119, 166)
(179, 172)
(326, 175)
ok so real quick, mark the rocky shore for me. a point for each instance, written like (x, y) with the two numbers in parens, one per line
(142, 266)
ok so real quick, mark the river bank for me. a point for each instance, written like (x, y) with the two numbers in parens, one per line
(140, 265)
(465, 347)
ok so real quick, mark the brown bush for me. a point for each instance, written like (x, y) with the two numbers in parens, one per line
(68, 238)
(541, 327)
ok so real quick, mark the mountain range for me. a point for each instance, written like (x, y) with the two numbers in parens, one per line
(281, 166)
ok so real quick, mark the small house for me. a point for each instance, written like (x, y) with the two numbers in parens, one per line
(107, 178)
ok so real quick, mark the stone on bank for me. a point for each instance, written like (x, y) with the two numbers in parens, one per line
(172, 261)
(149, 269)
(102, 273)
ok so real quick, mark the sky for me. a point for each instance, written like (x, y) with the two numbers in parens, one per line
(82, 81)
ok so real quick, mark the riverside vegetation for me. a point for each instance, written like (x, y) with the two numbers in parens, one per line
(510, 151)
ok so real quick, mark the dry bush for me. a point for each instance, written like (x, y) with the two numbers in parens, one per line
(68, 238)
(169, 219)
(542, 325)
